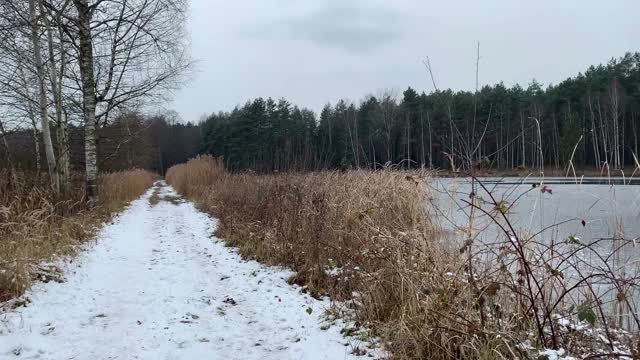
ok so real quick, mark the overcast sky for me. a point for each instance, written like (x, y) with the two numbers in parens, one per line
(314, 52)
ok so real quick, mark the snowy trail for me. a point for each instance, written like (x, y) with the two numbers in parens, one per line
(157, 285)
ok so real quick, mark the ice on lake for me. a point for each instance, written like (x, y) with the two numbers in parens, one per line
(608, 210)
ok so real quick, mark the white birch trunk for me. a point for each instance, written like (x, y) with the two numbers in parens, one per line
(56, 89)
(89, 98)
(44, 117)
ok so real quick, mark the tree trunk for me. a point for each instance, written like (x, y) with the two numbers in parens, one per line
(44, 116)
(55, 80)
(89, 98)
(63, 158)
(408, 158)
(356, 140)
(555, 140)
(524, 153)
(635, 133)
(423, 159)
(613, 94)
(36, 145)
(594, 135)
(32, 117)
(373, 152)
(603, 133)
(430, 142)
(7, 151)
(453, 150)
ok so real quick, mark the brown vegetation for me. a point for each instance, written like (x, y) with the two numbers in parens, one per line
(121, 187)
(359, 236)
(367, 239)
(36, 227)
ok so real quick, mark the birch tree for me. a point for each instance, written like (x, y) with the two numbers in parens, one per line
(129, 52)
(42, 96)
(57, 65)
(21, 58)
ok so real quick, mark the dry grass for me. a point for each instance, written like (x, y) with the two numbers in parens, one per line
(122, 187)
(202, 172)
(36, 228)
(367, 239)
(362, 237)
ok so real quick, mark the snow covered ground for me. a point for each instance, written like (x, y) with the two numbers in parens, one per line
(157, 285)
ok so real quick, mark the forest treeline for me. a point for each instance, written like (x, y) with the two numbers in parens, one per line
(592, 118)
(596, 113)
(131, 140)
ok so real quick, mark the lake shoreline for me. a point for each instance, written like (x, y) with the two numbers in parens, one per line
(548, 180)
(629, 176)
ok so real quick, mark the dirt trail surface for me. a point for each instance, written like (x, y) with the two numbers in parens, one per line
(157, 285)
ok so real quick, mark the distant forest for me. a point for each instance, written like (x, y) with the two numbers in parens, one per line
(130, 140)
(595, 113)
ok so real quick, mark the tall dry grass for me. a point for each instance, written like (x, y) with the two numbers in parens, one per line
(118, 188)
(367, 238)
(36, 228)
(364, 238)
(195, 177)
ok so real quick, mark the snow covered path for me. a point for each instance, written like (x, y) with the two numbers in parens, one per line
(157, 285)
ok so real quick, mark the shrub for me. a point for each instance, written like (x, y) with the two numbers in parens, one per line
(36, 228)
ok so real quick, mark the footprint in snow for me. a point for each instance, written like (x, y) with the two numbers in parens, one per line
(229, 300)
(47, 329)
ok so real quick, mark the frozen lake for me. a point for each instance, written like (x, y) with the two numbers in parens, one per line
(608, 210)
(553, 216)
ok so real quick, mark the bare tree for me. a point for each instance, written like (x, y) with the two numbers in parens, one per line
(85, 61)
(128, 52)
(42, 96)
(31, 115)
(16, 93)
(614, 99)
(57, 65)
(387, 105)
(23, 66)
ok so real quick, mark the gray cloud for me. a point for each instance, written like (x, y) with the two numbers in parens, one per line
(344, 25)
(315, 51)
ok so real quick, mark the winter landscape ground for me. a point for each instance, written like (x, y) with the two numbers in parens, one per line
(187, 179)
(157, 285)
